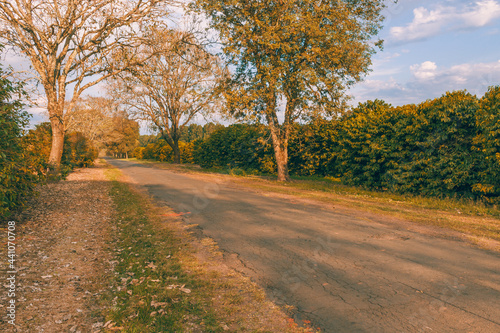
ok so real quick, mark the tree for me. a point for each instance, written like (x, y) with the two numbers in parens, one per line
(70, 43)
(93, 117)
(210, 128)
(295, 57)
(191, 133)
(144, 140)
(173, 86)
(123, 137)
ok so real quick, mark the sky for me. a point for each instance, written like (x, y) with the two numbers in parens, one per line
(430, 47)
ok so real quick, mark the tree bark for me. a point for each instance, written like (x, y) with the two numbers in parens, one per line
(174, 144)
(282, 163)
(177, 152)
(280, 145)
(57, 145)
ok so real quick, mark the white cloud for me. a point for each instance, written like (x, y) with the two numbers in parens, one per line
(424, 71)
(475, 78)
(430, 81)
(487, 73)
(381, 85)
(389, 90)
(39, 111)
(483, 13)
(383, 65)
(430, 22)
(425, 23)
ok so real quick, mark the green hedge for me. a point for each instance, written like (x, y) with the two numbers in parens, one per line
(447, 147)
(237, 146)
(441, 147)
(20, 170)
(161, 151)
(248, 147)
(488, 145)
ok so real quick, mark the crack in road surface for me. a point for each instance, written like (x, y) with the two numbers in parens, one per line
(343, 271)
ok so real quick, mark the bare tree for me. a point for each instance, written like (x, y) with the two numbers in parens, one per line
(70, 44)
(93, 117)
(174, 85)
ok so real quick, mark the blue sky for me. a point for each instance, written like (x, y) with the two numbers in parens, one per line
(431, 47)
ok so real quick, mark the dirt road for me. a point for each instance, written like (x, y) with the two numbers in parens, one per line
(62, 260)
(346, 271)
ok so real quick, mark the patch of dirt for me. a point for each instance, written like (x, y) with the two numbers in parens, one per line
(63, 262)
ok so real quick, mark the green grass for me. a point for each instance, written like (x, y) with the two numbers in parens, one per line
(465, 206)
(160, 285)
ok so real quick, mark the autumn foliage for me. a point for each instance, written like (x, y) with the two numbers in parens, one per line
(25, 154)
(163, 152)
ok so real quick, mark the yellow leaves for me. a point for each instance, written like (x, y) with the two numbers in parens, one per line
(483, 188)
(110, 325)
(185, 290)
(293, 41)
(156, 304)
(137, 281)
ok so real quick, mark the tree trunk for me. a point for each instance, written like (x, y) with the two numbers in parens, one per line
(57, 146)
(280, 145)
(174, 144)
(282, 163)
(177, 153)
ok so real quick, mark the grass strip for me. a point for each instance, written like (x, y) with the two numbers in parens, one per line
(160, 285)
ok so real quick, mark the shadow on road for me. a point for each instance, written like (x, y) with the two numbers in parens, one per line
(344, 272)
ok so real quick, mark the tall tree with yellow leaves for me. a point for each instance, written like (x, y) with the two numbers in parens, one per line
(293, 59)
